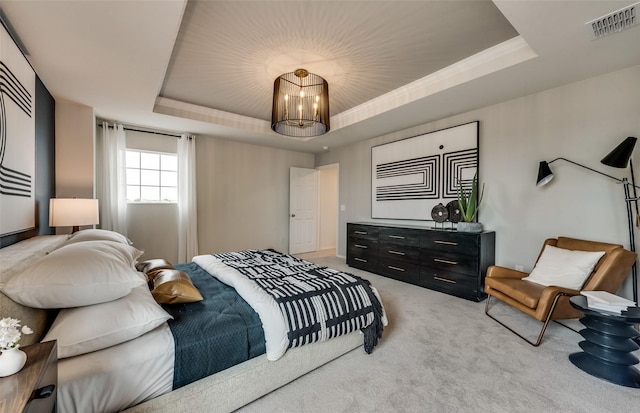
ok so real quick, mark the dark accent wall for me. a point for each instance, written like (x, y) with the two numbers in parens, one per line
(45, 165)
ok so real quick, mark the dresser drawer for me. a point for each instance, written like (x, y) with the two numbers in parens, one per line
(363, 263)
(399, 252)
(450, 283)
(451, 262)
(369, 232)
(399, 236)
(399, 270)
(460, 243)
(362, 246)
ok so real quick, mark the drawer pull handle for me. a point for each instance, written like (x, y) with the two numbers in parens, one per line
(360, 259)
(396, 236)
(445, 261)
(44, 392)
(360, 246)
(396, 252)
(360, 232)
(445, 242)
(445, 280)
(391, 267)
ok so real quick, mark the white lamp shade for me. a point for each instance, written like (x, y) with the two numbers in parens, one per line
(69, 212)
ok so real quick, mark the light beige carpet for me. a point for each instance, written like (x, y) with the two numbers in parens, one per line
(443, 354)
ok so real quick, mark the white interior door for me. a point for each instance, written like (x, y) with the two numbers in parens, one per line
(328, 208)
(303, 210)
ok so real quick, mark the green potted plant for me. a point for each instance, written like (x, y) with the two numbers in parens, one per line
(469, 200)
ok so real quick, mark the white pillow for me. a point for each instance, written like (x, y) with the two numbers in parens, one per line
(564, 268)
(85, 329)
(98, 235)
(78, 274)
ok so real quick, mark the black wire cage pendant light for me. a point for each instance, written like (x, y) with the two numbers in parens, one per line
(300, 105)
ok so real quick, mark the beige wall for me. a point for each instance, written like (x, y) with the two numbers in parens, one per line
(582, 121)
(153, 228)
(75, 139)
(243, 195)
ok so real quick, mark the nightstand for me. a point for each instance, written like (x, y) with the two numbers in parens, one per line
(34, 388)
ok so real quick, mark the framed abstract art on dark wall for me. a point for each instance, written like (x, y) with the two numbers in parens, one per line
(411, 176)
(17, 138)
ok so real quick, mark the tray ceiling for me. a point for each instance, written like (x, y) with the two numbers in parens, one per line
(228, 54)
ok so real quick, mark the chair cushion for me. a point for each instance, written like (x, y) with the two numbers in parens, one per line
(524, 292)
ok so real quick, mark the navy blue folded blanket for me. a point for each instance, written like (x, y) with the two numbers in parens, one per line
(214, 334)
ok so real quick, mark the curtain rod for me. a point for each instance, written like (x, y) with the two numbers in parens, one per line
(146, 131)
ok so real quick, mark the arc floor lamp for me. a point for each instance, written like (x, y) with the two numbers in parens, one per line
(620, 157)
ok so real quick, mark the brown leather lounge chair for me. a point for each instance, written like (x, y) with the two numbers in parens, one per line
(546, 303)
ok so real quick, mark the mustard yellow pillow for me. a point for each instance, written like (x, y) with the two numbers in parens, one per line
(170, 286)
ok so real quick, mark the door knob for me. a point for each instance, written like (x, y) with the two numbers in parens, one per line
(293, 215)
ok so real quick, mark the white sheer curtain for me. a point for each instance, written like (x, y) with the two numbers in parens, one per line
(187, 204)
(113, 196)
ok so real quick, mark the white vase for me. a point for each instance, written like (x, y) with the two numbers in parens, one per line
(12, 361)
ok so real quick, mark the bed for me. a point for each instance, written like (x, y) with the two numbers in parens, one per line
(141, 364)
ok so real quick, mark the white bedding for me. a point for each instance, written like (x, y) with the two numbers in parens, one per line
(273, 322)
(117, 377)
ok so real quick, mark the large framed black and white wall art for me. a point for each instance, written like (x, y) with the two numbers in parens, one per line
(411, 176)
(17, 138)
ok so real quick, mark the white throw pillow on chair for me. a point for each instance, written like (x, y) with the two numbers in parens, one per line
(564, 268)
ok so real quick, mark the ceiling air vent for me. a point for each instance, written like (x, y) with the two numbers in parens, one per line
(614, 22)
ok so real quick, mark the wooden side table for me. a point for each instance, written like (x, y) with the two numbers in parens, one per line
(608, 347)
(34, 388)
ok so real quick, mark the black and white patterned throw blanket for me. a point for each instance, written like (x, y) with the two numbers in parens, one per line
(318, 303)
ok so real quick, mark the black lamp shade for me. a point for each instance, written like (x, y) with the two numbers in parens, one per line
(544, 174)
(619, 157)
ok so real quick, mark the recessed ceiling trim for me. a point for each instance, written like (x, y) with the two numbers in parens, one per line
(186, 110)
(494, 59)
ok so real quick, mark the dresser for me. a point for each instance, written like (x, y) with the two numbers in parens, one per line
(443, 260)
(34, 388)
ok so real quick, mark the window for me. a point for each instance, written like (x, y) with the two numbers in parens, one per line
(151, 176)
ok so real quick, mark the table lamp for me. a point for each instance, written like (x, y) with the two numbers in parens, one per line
(73, 212)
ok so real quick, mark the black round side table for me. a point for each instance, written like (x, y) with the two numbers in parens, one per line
(608, 346)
